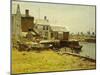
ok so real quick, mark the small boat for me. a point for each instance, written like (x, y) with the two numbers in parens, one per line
(74, 44)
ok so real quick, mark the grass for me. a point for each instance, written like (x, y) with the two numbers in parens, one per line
(44, 61)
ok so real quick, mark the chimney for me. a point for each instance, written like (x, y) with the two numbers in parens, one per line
(45, 17)
(27, 12)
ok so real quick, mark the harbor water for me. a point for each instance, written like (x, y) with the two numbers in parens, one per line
(88, 50)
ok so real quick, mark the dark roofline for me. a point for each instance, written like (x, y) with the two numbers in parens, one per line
(23, 15)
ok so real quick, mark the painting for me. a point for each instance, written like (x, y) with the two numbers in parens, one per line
(52, 37)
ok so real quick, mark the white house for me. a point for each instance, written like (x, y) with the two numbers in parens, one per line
(43, 27)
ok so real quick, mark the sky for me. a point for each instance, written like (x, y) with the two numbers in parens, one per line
(76, 18)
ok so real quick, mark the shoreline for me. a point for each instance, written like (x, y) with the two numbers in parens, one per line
(47, 60)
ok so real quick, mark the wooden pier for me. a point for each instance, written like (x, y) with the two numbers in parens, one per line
(78, 55)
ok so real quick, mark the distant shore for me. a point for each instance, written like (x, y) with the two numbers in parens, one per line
(83, 38)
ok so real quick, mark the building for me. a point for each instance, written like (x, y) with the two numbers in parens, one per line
(16, 24)
(30, 35)
(27, 21)
(59, 33)
(49, 32)
(43, 27)
(21, 22)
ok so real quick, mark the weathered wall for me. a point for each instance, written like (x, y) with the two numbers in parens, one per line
(27, 23)
(65, 35)
(16, 26)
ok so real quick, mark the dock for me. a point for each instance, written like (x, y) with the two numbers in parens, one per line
(78, 55)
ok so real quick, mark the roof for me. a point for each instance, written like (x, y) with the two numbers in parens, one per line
(23, 15)
(49, 41)
(46, 41)
(33, 33)
(41, 22)
(59, 29)
(25, 33)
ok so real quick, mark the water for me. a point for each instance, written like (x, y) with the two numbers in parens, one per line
(88, 49)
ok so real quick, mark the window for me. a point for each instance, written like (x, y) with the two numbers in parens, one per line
(43, 27)
(46, 27)
(46, 33)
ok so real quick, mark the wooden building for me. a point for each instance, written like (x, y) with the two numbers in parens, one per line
(27, 21)
(43, 27)
(59, 33)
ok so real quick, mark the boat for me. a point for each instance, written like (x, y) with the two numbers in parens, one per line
(74, 44)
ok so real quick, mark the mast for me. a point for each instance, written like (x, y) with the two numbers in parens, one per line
(39, 12)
